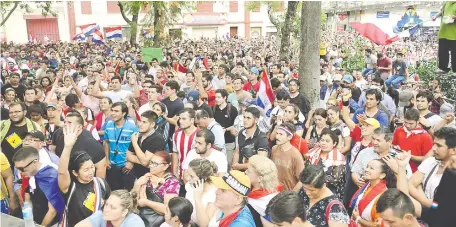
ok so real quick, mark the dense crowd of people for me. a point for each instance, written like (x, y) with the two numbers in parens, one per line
(94, 135)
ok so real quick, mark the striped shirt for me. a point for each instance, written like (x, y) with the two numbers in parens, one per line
(119, 141)
(182, 144)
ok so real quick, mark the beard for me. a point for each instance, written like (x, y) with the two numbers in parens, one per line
(200, 152)
(18, 121)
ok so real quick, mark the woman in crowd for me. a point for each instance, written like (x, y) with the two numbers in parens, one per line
(291, 114)
(46, 83)
(327, 155)
(77, 182)
(379, 178)
(161, 125)
(132, 109)
(287, 209)
(178, 213)
(338, 126)
(314, 131)
(103, 115)
(263, 176)
(9, 97)
(200, 191)
(118, 211)
(155, 189)
(323, 207)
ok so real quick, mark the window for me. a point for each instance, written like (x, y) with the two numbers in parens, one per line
(86, 7)
(234, 6)
(112, 7)
(205, 7)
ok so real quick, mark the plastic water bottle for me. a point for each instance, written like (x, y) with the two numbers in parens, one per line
(27, 213)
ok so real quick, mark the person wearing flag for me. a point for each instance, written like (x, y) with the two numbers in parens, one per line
(43, 191)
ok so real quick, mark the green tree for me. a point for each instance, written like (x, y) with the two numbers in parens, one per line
(8, 7)
(133, 9)
(286, 30)
(309, 57)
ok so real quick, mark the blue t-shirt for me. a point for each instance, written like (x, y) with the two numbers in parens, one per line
(97, 220)
(119, 141)
(381, 117)
(244, 219)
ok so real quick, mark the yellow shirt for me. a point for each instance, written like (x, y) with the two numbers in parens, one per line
(323, 47)
(4, 165)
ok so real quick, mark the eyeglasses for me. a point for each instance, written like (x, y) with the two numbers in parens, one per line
(15, 112)
(22, 169)
(155, 164)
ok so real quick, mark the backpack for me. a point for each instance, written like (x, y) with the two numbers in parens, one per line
(228, 109)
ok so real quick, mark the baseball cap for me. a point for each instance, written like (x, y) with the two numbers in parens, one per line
(235, 181)
(372, 122)
(405, 97)
(337, 77)
(255, 70)
(35, 134)
(348, 78)
(193, 96)
(52, 104)
(446, 108)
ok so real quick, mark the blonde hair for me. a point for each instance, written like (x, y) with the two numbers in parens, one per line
(266, 170)
(128, 200)
(203, 168)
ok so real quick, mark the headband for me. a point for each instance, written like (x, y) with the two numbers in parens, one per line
(286, 130)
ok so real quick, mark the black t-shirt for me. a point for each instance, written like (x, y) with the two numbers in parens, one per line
(302, 102)
(42, 106)
(39, 205)
(174, 108)
(13, 141)
(152, 143)
(5, 114)
(206, 107)
(20, 90)
(252, 144)
(226, 120)
(85, 142)
(83, 200)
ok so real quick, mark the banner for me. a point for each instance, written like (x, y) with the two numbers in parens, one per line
(383, 14)
(151, 53)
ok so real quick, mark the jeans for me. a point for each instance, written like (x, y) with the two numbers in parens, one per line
(394, 80)
(445, 47)
(367, 71)
(119, 180)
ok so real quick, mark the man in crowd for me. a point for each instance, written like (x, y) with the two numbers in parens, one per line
(85, 141)
(424, 182)
(204, 121)
(183, 140)
(117, 94)
(427, 119)
(297, 97)
(371, 110)
(205, 88)
(400, 72)
(253, 85)
(204, 142)
(153, 92)
(117, 138)
(218, 81)
(371, 63)
(30, 99)
(412, 137)
(194, 96)
(225, 114)
(14, 79)
(13, 129)
(239, 95)
(173, 104)
(144, 144)
(383, 69)
(396, 209)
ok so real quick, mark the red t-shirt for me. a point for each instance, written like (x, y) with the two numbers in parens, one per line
(385, 62)
(419, 142)
(355, 134)
(300, 144)
(210, 97)
(248, 86)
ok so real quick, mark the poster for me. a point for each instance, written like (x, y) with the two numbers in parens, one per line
(383, 14)
(151, 53)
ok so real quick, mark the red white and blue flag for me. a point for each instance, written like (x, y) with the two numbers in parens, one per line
(97, 37)
(265, 94)
(79, 37)
(381, 33)
(114, 32)
(88, 29)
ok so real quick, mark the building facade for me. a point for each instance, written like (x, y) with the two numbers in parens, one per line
(208, 19)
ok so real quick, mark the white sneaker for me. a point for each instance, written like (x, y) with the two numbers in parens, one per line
(439, 71)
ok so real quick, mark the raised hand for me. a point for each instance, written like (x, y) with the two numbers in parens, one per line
(70, 135)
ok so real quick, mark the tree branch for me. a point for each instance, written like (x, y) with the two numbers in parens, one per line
(123, 13)
(16, 4)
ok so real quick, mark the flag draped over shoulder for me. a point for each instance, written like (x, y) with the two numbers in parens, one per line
(46, 179)
(265, 94)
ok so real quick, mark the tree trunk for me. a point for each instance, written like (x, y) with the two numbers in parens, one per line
(16, 4)
(309, 57)
(286, 30)
(133, 29)
(159, 23)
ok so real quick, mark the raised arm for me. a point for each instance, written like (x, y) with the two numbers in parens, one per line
(96, 88)
(64, 179)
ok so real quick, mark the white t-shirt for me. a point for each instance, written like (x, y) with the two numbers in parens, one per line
(207, 197)
(144, 108)
(216, 156)
(434, 119)
(116, 96)
(370, 61)
(426, 168)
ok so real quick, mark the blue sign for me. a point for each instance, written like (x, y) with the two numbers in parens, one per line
(383, 14)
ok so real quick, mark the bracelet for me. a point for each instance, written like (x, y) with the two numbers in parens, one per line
(358, 219)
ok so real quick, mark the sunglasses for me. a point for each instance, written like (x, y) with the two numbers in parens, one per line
(22, 169)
